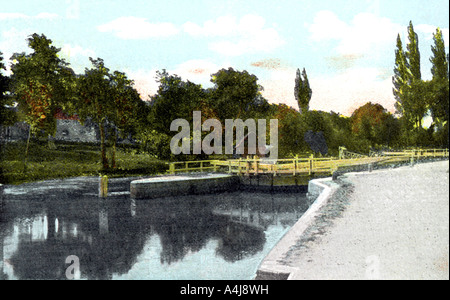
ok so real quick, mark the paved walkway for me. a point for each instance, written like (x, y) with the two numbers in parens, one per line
(395, 226)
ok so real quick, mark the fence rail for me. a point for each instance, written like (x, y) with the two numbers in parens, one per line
(303, 166)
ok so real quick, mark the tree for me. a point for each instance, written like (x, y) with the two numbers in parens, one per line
(439, 60)
(372, 122)
(412, 53)
(95, 95)
(290, 134)
(302, 91)
(40, 81)
(126, 108)
(6, 115)
(402, 77)
(236, 95)
(440, 91)
(410, 90)
(174, 99)
(417, 92)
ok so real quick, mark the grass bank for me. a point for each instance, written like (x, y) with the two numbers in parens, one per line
(70, 160)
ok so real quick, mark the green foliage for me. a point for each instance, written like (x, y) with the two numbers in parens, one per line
(7, 117)
(402, 77)
(95, 95)
(70, 160)
(39, 83)
(416, 97)
(236, 95)
(409, 89)
(42, 83)
(439, 59)
(439, 91)
(372, 122)
(290, 131)
(175, 99)
(128, 108)
(155, 143)
(412, 53)
(109, 98)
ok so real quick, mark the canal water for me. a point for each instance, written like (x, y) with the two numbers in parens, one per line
(219, 236)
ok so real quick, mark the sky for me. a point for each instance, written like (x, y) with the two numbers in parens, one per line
(346, 47)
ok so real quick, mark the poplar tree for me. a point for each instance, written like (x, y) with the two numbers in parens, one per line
(417, 93)
(439, 101)
(410, 91)
(439, 59)
(412, 53)
(402, 77)
(302, 91)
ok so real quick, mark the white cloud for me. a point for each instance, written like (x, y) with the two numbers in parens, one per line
(223, 26)
(197, 70)
(77, 56)
(138, 28)
(341, 93)
(351, 89)
(12, 41)
(429, 30)
(327, 26)
(279, 87)
(72, 51)
(232, 37)
(144, 82)
(43, 15)
(229, 36)
(365, 33)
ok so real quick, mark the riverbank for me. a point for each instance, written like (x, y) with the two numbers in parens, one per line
(385, 224)
(69, 160)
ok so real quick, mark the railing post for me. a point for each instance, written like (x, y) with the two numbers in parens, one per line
(247, 166)
(186, 164)
(239, 166)
(1, 201)
(311, 164)
(103, 186)
(171, 168)
(341, 152)
(201, 166)
(229, 166)
(295, 164)
(256, 166)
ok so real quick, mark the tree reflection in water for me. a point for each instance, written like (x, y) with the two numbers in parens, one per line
(108, 235)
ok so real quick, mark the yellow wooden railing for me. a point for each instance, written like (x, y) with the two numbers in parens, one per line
(193, 166)
(302, 166)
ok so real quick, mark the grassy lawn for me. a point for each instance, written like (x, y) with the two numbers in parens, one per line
(69, 160)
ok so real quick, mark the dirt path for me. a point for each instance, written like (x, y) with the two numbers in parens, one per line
(395, 226)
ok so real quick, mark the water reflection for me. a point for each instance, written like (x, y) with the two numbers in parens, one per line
(119, 237)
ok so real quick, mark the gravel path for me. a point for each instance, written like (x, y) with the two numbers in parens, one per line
(395, 225)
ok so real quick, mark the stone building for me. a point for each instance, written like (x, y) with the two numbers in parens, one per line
(68, 129)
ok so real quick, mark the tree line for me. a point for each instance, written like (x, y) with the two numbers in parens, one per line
(42, 83)
(416, 97)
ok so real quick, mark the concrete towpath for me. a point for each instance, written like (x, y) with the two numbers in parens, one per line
(387, 224)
